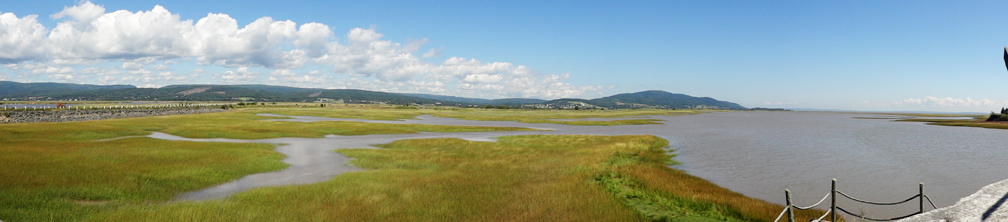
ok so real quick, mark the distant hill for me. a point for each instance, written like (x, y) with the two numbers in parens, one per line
(515, 101)
(253, 93)
(647, 99)
(16, 89)
(568, 102)
(476, 101)
(279, 89)
(268, 93)
(448, 98)
(662, 100)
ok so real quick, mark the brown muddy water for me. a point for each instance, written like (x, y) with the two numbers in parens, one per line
(758, 154)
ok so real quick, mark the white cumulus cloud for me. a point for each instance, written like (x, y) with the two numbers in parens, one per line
(241, 75)
(483, 78)
(87, 34)
(53, 70)
(101, 71)
(132, 65)
(432, 53)
(63, 76)
(20, 38)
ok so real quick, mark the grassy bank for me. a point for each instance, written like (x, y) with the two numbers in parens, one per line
(972, 121)
(978, 122)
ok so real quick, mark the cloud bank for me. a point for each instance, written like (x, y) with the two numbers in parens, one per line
(952, 102)
(941, 103)
(264, 51)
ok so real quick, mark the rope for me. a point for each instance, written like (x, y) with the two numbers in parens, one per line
(877, 203)
(929, 201)
(824, 215)
(781, 214)
(873, 219)
(805, 208)
(813, 205)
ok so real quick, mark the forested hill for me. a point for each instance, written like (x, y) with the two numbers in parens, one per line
(247, 93)
(507, 101)
(662, 99)
(10, 89)
(14, 91)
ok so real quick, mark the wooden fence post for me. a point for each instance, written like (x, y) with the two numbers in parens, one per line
(921, 198)
(833, 202)
(790, 211)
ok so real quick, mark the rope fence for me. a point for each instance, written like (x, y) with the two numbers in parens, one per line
(929, 201)
(789, 209)
(874, 219)
(877, 203)
(813, 205)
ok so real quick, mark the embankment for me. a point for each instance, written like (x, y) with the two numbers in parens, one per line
(96, 114)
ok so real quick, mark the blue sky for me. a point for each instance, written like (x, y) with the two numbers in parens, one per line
(863, 55)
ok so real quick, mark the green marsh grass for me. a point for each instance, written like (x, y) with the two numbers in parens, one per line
(518, 115)
(63, 180)
(240, 124)
(245, 124)
(57, 172)
(517, 178)
(60, 171)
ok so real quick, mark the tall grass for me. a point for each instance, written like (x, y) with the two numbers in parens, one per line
(60, 171)
(517, 178)
(57, 181)
(57, 172)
